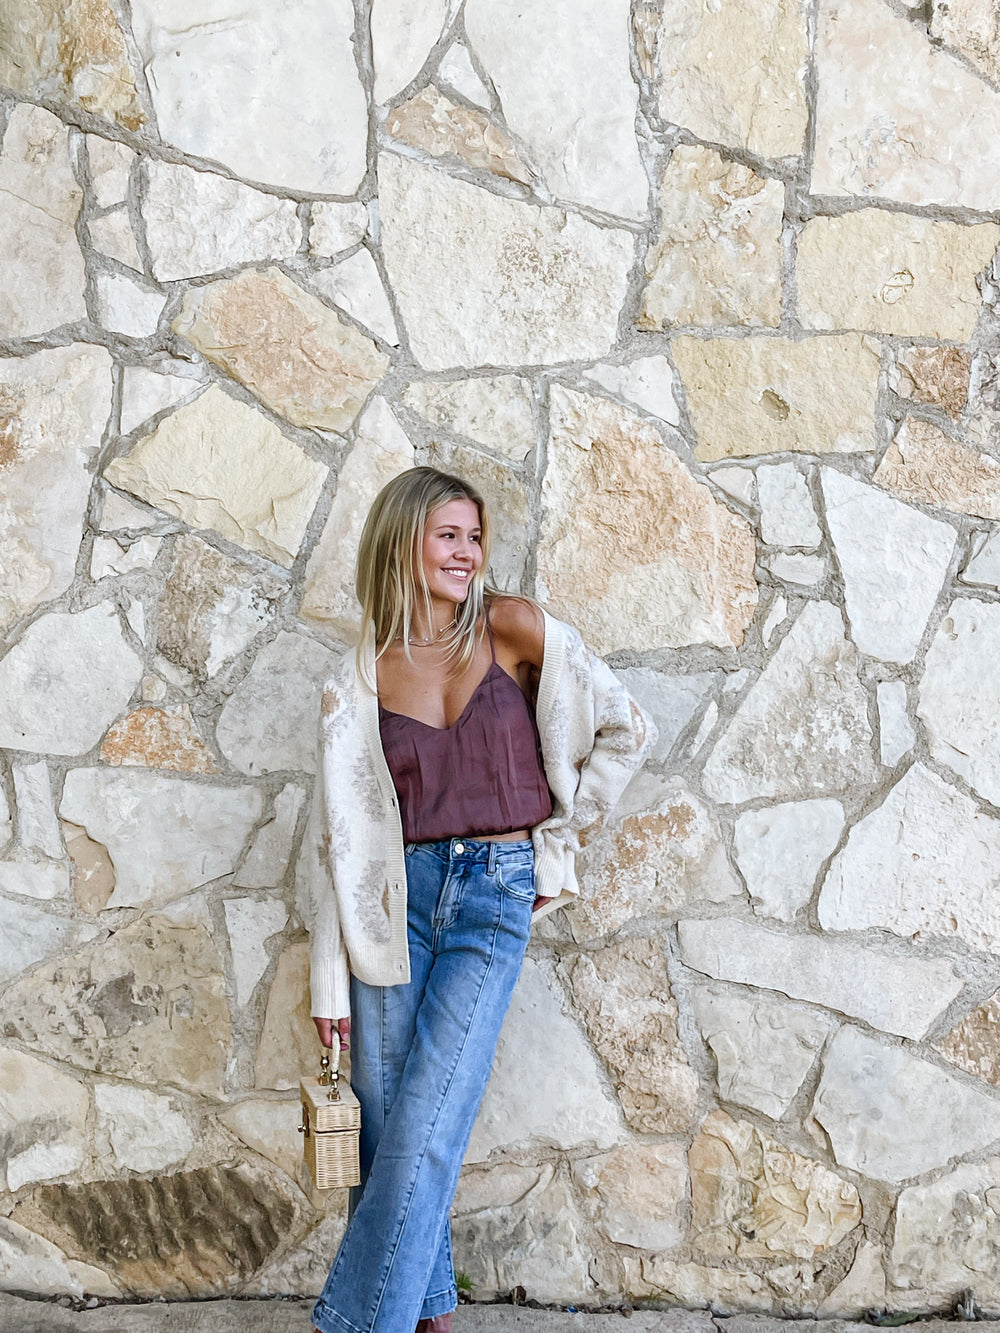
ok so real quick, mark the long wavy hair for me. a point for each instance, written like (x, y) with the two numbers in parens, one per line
(389, 576)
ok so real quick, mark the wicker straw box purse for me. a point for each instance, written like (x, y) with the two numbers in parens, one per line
(331, 1123)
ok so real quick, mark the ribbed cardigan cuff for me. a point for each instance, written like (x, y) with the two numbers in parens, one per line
(330, 986)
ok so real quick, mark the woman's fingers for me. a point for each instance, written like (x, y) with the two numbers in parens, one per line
(540, 902)
(344, 1028)
(324, 1026)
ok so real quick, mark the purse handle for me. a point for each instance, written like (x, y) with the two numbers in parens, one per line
(330, 1078)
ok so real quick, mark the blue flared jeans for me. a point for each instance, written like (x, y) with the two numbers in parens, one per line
(421, 1056)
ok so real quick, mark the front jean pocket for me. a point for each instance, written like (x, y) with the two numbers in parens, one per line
(518, 879)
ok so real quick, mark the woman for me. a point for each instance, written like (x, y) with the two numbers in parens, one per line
(471, 743)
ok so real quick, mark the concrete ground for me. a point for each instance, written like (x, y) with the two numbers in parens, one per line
(27, 1316)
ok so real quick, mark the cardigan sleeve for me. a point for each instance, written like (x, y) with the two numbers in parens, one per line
(317, 904)
(594, 738)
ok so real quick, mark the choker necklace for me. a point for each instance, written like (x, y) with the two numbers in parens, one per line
(434, 638)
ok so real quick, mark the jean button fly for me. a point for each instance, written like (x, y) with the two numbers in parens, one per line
(459, 848)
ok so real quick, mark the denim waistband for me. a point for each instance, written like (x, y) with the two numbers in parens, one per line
(472, 850)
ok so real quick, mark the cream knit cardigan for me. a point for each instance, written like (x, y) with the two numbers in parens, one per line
(353, 892)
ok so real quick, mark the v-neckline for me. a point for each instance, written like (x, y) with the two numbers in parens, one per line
(390, 712)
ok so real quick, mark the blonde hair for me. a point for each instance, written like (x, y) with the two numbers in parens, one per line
(389, 576)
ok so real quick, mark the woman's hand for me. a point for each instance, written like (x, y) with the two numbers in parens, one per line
(540, 901)
(324, 1026)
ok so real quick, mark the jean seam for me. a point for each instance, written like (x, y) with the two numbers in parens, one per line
(405, 1211)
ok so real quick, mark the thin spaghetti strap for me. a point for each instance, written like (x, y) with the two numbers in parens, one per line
(489, 631)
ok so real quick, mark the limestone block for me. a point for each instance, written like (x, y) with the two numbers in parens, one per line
(739, 482)
(947, 1234)
(334, 227)
(37, 825)
(41, 265)
(31, 934)
(355, 285)
(53, 406)
(164, 835)
(285, 346)
(495, 411)
(751, 396)
(671, 701)
(546, 1088)
(64, 680)
(780, 849)
(269, 721)
(623, 992)
(112, 235)
(149, 1004)
(266, 862)
(143, 1130)
(983, 566)
(251, 922)
(763, 1049)
(198, 223)
(893, 560)
(877, 75)
(146, 392)
(721, 1290)
(802, 729)
(862, 1289)
(219, 464)
(896, 994)
(664, 851)
(736, 75)
(74, 49)
(960, 691)
(938, 375)
(561, 71)
(753, 1197)
(29, 1263)
(270, 1128)
(638, 1192)
(142, 1232)
(914, 277)
(43, 1119)
(972, 27)
(273, 94)
(539, 1243)
(926, 465)
(381, 451)
(456, 68)
(717, 255)
(158, 738)
(483, 280)
(805, 570)
(93, 869)
(974, 1044)
(110, 164)
(402, 39)
(923, 863)
(633, 549)
(432, 122)
(895, 730)
(787, 516)
(111, 558)
(124, 306)
(35, 879)
(288, 1043)
(891, 1115)
(212, 607)
(306, 1265)
(647, 382)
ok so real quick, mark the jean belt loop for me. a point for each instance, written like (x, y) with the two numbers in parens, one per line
(491, 863)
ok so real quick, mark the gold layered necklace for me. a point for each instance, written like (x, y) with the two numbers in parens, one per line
(433, 638)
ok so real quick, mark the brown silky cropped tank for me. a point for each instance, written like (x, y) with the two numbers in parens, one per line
(483, 774)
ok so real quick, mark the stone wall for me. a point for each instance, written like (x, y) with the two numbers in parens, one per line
(705, 302)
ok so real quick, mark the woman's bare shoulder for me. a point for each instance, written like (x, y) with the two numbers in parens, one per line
(520, 626)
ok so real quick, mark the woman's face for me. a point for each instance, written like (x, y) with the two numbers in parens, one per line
(451, 550)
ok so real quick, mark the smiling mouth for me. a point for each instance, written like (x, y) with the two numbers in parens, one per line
(458, 573)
